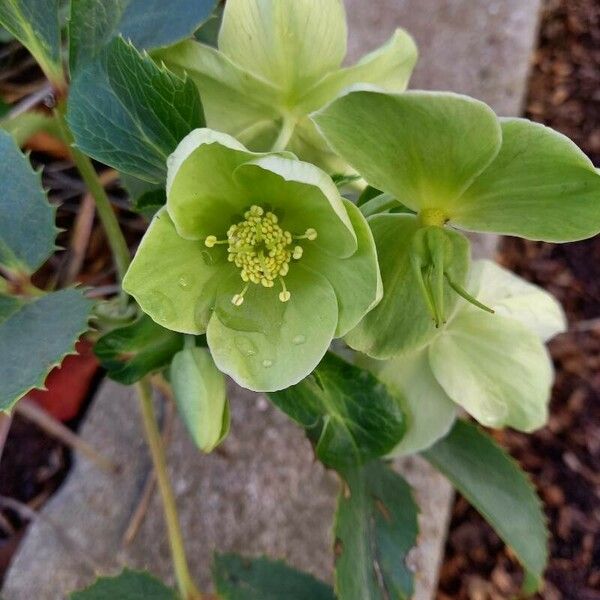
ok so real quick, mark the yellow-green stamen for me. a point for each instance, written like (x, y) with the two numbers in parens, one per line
(262, 250)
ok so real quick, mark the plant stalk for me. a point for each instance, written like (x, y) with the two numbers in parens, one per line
(116, 240)
(187, 587)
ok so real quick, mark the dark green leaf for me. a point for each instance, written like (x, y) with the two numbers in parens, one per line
(35, 338)
(208, 32)
(348, 413)
(27, 230)
(375, 528)
(35, 23)
(497, 487)
(129, 585)
(130, 352)
(128, 113)
(147, 23)
(368, 194)
(238, 578)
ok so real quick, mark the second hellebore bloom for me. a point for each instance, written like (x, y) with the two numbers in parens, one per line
(261, 253)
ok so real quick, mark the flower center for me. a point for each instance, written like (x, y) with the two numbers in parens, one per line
(262, 250)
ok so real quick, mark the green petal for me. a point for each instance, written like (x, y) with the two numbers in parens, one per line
(202, 194)
(303, 197)
(389, 67)
(540, 187)
(285, 354)
(423, 147)
(429, 412)
(401, 321)
(356, 280)
(512, 296)
(170, 275)
(495, 368)
(234, 100)
(292, 43)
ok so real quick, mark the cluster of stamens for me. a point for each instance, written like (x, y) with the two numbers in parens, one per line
(262, 250)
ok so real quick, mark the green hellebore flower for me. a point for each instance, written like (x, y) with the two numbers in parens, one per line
(278, 61)
(495, 366)
(455, 164)
(260, 252)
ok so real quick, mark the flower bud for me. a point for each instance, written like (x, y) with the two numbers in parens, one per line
(199, 389)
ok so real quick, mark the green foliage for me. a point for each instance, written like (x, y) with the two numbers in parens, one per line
(496, 486)
(128, 353)
(347, 412)
(147, 23)
(129, 585)
(27, 229)
(129, 113)
(375, 528)
(239, 578)
(35, 23)
(35, 335)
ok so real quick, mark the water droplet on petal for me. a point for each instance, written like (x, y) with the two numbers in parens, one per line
(267, 363)
(160, 306)
(299, 340)
(184, 283)
(245, 345)
(207, 258)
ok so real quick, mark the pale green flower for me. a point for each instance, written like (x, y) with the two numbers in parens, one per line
(494, 366)
(261, 253)
(457, 166)
(278, 61)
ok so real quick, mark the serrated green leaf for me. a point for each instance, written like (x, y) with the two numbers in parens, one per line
(35, 338)
(497, 487)
(130, 352)
(238, 578)
(8, 306)
(27, 229)
(147, 23)
(375, 528)
(130, 114)
(129, 585)
(348, 413)
(35, 23)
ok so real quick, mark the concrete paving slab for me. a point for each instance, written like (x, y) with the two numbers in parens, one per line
(264, 492)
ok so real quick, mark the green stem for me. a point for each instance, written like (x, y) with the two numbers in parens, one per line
(285, 134)
(187, 587)
(84, 165)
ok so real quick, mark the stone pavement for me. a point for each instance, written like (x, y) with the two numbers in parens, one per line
(263, 492)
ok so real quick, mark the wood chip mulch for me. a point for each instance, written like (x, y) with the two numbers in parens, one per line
(564, 457)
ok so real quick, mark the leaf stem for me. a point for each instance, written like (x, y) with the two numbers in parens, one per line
(185, 583)
(116, 240)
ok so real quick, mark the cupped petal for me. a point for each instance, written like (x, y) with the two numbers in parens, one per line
(511, 296)
(170, 276)
(356, 279)
(389, 67)
(425, 148)
(429, 412)
(284, 355)
(401, 321)
(541, 186)
(290, 42)
(497, 369)
(234, 100)
(202, 194)
(303, 197)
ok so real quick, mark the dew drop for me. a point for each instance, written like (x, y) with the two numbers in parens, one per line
(267, 363)
(160, 306)
(299, 340)
(207, 258)
(245, 345)
(184, 284)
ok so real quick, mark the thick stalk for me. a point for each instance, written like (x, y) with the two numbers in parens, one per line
(288, 126)
(185, 583)
(116, 240)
